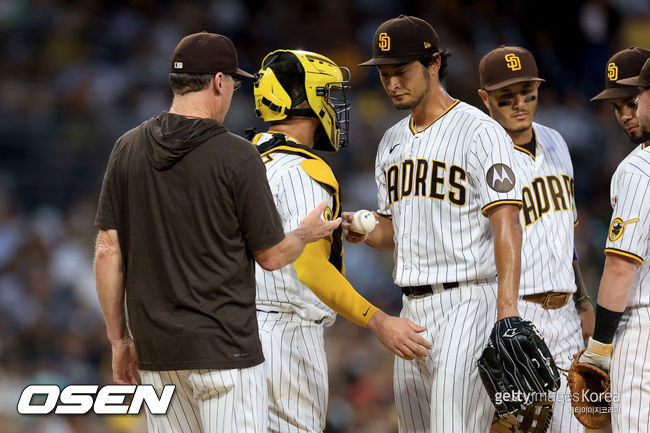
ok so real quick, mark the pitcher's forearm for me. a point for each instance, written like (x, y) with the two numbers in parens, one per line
(381, 237)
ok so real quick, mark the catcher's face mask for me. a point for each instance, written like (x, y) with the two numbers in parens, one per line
(325, 89)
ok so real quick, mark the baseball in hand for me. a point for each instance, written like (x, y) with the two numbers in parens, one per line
(363, 222)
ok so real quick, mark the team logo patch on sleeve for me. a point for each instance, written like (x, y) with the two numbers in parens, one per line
(617, 227)
(500, 178)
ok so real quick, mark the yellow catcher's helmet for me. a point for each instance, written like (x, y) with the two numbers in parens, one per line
(321, 83)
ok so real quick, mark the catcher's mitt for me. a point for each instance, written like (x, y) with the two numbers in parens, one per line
(516, 367)
(590, 396)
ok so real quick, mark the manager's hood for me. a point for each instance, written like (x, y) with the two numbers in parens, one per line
(173, 136)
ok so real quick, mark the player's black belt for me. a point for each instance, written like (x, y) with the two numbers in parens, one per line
(426, 289)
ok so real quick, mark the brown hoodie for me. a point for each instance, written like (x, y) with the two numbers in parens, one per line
(190, 201)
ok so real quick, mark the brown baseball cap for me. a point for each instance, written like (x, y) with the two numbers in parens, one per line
(206, 53)
(402, 40)
(504, 66)
(624, 64)
(641, 80)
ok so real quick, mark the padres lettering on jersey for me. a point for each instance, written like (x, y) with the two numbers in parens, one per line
(548, 214)
(295, 193)
(436, 184)
(413, 178)
(547, 193)
(629, 231)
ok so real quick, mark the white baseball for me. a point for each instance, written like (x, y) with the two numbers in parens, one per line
(363, 221)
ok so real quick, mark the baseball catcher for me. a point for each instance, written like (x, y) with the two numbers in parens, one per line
(303, 97)
(518, 372)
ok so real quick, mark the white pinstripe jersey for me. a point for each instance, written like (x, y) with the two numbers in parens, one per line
(295, 194)
(435, 184)
(548, 214)
(629, 230)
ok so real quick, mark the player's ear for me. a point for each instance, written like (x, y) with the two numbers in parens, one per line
(484, 97)
(217, 83)
(434, 66)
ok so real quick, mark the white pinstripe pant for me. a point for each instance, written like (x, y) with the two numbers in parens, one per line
(563, 336)
(296, 372)
(211, 401)
(630, 372)
(443, 393)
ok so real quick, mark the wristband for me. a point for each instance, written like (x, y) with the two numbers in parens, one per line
(582, 298)
(606, 324)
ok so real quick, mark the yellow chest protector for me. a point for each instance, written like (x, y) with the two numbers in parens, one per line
(318, 170)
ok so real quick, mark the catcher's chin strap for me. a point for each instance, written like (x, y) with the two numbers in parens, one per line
(301, 112)
(534, 419)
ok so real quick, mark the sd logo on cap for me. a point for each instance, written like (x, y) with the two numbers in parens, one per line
(402, 40)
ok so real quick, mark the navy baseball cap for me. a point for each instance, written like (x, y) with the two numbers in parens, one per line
(402, 40)
(206, 53)
(504, 66)
(642, 80)
(624, 64)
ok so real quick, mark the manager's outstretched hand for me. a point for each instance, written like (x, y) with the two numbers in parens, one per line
(313, 227)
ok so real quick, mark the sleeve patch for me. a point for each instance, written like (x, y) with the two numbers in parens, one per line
(500, 178)
(617, 227)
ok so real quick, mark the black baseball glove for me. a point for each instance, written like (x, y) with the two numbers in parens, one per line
(516, 367)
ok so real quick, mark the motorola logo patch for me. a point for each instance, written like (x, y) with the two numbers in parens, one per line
(500, 178)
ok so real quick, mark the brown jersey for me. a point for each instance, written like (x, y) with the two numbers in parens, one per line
(189, 201)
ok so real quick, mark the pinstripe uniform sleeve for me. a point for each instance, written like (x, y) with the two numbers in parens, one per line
(491, 166)
(383, 207)
(299, 194)
(630, 224)
(383, 204)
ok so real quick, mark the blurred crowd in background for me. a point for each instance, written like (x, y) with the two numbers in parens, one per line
(75, 75)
